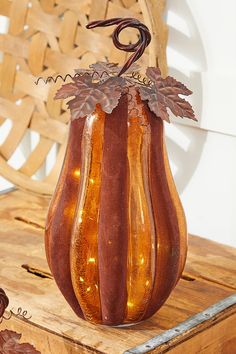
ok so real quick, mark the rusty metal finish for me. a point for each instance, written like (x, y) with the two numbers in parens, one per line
(113, 217)
(61, 215)
(164, 93)
(125, 241)
(4, 302)
(122, 23)
(105, 87)
(138, 48)
(167, 223)
(88, 94)
(128, 243)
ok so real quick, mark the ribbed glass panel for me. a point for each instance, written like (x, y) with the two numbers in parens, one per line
(84, 244)
(141, 247)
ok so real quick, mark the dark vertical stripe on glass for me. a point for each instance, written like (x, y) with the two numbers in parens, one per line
(61, 215)
(165, 219)
(113, 218)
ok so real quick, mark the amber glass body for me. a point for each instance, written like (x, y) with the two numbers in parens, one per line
(116, 236)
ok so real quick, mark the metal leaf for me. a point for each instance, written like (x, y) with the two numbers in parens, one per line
(165, 94)
(88, 94)
(67, 90)
(9, 344)
(112, 68)
(4, 302)
(149, 94)
(167, 83)
(105, 67)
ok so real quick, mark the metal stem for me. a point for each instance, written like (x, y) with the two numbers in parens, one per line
(122, 23)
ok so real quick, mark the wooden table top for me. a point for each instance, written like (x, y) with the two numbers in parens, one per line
(209, 277)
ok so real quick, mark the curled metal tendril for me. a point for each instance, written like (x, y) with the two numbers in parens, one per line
(131, 102)
(141, 80)
(122, 23)
(23, 314)
(135, 76)
(138, 48)
(133, 110)
(54, 79)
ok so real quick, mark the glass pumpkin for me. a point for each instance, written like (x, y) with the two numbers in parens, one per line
(116, 231)
(116, 237)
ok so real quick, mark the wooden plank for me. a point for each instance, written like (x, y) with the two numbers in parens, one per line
(22, 222)
(50, 344)
(5, 6)
(208, 262)
(187, 328)
(219, 338)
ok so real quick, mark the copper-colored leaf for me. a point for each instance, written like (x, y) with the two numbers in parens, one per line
(105, 67)
(149, 94)
(88, 93)
(164, 93)
(100, 70)
(4, 301)
(100, 84)
(67, 90)
(154, 75)
(9, 344)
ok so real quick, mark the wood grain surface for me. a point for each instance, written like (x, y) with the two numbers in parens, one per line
(208, 278)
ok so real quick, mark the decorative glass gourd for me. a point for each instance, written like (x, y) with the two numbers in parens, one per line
(116, 236)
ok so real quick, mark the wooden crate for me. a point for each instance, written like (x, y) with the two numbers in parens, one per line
(199, 316)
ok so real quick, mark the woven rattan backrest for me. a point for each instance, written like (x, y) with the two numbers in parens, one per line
(47, 37)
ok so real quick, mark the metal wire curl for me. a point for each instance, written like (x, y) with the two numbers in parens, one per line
(23, 314)
(144, 81)
(138, 47)
(54, 79)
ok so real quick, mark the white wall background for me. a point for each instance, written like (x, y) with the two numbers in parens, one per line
(201, 53)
